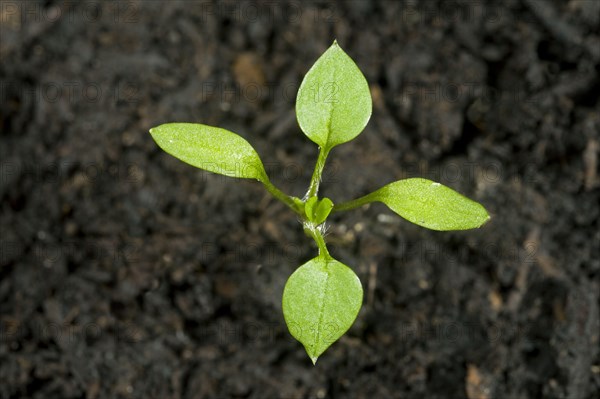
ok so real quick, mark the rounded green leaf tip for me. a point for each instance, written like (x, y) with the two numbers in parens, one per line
(432, 205)
(334, 103)
(210, 148)
(321, 300)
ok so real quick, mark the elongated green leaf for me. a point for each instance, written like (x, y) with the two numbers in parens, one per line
(432, 205)
(334, 103)
(210, 148)
(309, 208)
(321, 300)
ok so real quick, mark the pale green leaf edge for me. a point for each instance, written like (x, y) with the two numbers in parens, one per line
(183, 141)
(327, 143)
(444, 203)
(313, 351)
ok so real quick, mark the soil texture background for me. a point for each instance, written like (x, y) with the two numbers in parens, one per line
(125, 273)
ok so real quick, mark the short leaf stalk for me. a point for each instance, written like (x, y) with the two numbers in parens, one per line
(291, 202)
(317, 175)
(315, 233)
(355, 203)
(333, 106)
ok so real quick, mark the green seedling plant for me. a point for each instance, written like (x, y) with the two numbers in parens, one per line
(322, 298)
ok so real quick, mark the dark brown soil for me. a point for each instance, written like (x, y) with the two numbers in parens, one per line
(125, 273)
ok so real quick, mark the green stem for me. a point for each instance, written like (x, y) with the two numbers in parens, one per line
(312, 230)
(317, 173)
(281, 196)
(353, 204)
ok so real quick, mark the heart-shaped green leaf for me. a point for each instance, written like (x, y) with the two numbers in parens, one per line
(334, 102)
(431, 205)
(210, 148)
(321, 300)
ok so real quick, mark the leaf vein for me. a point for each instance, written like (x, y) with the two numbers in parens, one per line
(322, 310)
(330, 106)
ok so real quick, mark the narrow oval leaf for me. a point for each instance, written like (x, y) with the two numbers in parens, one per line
(334, 103)
(210, 148)
(309, 206)
(321, 300)
(322, 210)
(431, 205)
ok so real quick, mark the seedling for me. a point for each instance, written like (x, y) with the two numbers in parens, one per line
(321, 299)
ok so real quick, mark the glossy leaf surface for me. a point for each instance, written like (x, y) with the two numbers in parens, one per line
(334, 102)
(321, 300)
(431, 205)
(210, 148)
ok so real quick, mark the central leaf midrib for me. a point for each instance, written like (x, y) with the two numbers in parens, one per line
(321, 311)
(330, 107)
